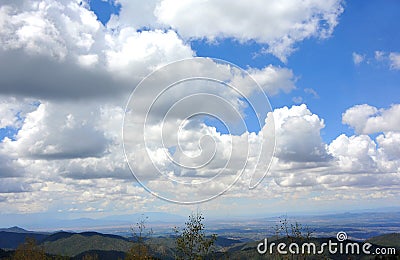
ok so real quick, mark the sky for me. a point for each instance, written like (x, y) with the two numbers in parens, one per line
(69, 69)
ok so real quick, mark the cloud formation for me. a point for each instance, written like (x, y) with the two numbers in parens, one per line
(59, 50)
(366, 119)
(302, 159)
(65, 78)
(389, 59)
(280, 24)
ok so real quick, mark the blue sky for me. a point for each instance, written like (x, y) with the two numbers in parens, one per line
(331, 71)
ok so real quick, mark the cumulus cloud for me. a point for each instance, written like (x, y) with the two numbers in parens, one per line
(50, 133)
(13, 111)
(354, 154)
(70, 65)
(135, 13)
(58, 49)
(43, 77)
(298, 135)
(10, 166)
(62, 29)
(132, 53)
(302, 160)
(280, 24)
(389, 145)
(70, 141)
(356, 161)
(71, 55)
(65, 77)
(366, 119)
(274, 79)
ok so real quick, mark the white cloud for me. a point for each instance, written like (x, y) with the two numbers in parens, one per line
(379, 55)
(390, 59)
(56, 94)
(43, 41)
(70, 139)
(110, 195)
(280, 24)
(13, 111)
(355, 161)
(298, 135)
(141, 53)
(354, 154)
(274, 79)
(135, 13)
(366, 119)
(10, 165)
(61, 28)
(53, 133)
(63, 140)
(12, 185)
(389, 146)
(48, 27)
(302, 161)
(358, 58)
(394, 58)
(88, 60)
(68, 34)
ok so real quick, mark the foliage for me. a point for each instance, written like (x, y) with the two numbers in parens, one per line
(292, 231)
(29, 250)
(191, 242)
(140, 233)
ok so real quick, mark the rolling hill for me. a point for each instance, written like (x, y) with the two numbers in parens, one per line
(72, 244)
(105, 246)
(388, 240)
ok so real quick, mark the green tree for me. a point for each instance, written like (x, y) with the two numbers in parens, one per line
(192, 242)
(140, 249)
(29, 250)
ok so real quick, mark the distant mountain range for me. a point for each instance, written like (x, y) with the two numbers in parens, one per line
(42, 222)
(15, 229)
(359, 225)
